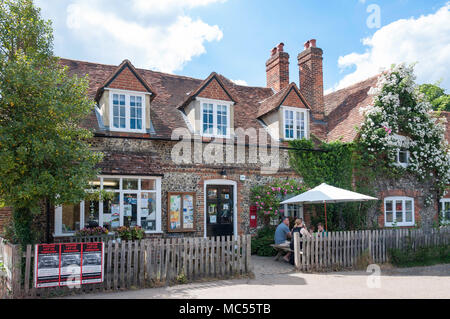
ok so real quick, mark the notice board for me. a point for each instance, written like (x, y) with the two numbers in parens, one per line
(66, 264)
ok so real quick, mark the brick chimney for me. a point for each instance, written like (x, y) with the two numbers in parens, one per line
(311, 77)
(277, 68)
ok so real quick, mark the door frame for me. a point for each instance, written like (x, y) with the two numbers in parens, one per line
(220, 182)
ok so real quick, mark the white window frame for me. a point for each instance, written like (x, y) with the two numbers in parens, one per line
(215, 103)
(402, 143)
(398, 163)
(58, 210)
(443, 201)
(394, 223)
(295, 110)
(127, 94)
(300, 209)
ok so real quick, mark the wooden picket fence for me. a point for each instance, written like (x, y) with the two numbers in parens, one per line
(148, 263)
(348, 249)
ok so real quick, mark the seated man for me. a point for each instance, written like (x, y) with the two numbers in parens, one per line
(282, 233)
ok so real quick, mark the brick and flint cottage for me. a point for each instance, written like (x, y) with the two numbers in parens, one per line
(182, 154)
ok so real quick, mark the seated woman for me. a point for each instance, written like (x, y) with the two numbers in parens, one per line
(298, 227)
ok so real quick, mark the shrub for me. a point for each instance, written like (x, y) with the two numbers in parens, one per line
(262, 241)
(130, 233)
(423, 256)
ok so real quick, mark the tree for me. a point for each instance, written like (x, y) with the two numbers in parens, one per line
(437, 97)
(44, 152)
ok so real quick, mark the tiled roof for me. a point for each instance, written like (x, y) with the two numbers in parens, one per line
(171, 91)
(342, 109)
(274, 101)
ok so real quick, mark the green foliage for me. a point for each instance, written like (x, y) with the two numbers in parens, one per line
(44, 151)
(333, 166)
(337, 165)
(262, 241)
(131, 233)
(267, 198)
(401, 117)
(436, 95)
(423, 256)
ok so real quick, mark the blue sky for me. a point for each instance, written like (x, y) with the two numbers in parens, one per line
(234, 37)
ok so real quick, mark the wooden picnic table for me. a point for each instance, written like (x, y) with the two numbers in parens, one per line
(282, 249)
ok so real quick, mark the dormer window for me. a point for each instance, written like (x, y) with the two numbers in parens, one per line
(127, 111)
(215, 118)
(294, 123)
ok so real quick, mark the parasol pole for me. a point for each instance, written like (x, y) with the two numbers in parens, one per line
(326, 225)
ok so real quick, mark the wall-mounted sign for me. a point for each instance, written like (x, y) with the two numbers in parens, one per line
(68, 264)
(181, 207)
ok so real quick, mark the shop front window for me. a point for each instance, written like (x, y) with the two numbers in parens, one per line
(136, 202)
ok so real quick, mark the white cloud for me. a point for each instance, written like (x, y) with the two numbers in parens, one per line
(150, 43)
(425, 41)
(168, 6)
(240, 82)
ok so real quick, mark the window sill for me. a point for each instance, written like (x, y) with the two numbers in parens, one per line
(399, 225)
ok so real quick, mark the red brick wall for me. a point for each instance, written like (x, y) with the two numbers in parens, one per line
(277, 71)
(311, 79)
(126, 80)
(5, 214)
(293, 100)
(214, 91)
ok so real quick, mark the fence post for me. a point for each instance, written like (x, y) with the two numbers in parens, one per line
(297, 250)
(249, 254)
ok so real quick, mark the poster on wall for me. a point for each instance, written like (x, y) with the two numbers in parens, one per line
(188, 211)
(47, 265)
(92, 266)
(174, 211)
(70, 264)
(181, 212)
(67, 264)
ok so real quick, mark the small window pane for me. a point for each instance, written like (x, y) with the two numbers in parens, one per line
(403, 156)
(70, 218)
(91, 213)
(111, 183)
(148, 211)
(389, 217)
(94, 184)
(130, 210)
(408, 205)
(389, 205)
(111, 213)
(398, 205)
(148, 184)
(131, 184)
(408, 216)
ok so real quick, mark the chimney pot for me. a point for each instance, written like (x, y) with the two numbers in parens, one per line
(306, 45)
(277, 68)
(273, 52)
(313, 43)
(280, 47)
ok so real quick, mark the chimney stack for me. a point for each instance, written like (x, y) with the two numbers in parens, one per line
(311, 77)
(277, 68)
